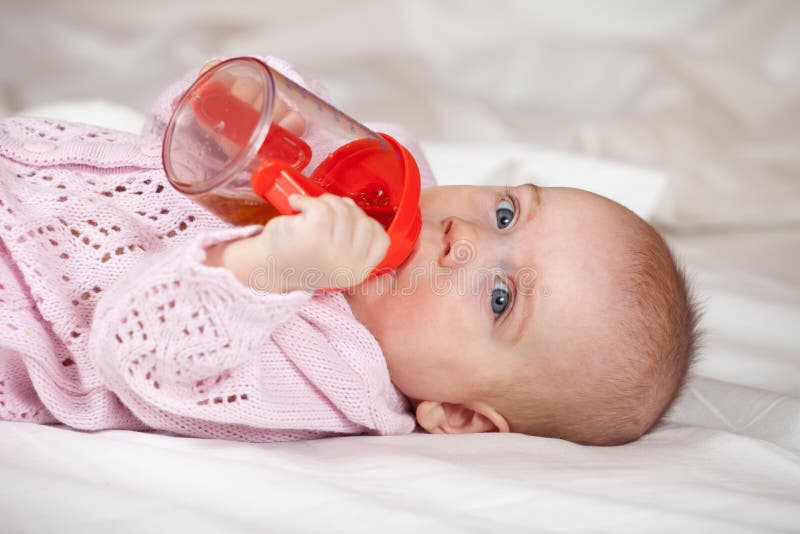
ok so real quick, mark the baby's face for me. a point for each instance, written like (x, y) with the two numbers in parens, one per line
(502, 281)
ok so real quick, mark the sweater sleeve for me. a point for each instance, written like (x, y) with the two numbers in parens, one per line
(174, 327)
(161, 111)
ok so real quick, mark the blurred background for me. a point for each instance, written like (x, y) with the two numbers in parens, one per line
(707, 91)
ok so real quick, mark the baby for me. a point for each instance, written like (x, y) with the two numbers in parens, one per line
(549, 311)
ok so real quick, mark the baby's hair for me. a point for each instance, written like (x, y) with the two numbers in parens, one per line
(654, 342)
(663, 333)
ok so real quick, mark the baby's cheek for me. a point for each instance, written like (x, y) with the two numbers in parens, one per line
(431, 303)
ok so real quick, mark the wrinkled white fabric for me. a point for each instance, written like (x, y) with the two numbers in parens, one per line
(705, 93)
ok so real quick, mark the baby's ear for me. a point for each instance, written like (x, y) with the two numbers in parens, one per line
(449, 418)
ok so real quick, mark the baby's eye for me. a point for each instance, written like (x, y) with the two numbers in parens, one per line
(504, 213)
(500, 297)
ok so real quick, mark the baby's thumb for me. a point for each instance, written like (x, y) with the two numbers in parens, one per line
(300, 203)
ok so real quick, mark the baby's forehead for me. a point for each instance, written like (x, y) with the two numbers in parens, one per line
(587, 213)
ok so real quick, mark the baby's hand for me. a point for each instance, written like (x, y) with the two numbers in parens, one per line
(331, 243)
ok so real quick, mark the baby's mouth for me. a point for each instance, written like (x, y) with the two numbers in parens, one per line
(431, 235)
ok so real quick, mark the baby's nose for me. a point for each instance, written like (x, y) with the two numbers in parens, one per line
(459, 243)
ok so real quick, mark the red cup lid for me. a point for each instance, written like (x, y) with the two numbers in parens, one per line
(407, 223)
(275, 181)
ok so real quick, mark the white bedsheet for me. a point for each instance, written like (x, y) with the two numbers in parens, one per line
(727, 460)
(686, 112)
(678, 479)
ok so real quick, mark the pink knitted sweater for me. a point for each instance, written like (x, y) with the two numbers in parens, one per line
(110, 319)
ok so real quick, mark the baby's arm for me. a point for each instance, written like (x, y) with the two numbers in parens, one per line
(189, 327)
(172, 327)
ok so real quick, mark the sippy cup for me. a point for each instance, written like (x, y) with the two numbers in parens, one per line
(244, 137)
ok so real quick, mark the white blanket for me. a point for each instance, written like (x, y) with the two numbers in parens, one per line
(727, 460)
(703, 94)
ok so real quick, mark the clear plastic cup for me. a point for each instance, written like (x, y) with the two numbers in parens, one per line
(244, 137)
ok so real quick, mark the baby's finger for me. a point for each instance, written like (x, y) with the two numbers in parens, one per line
(279, 109)
(370, 234)
(207, 66)
(294, 123)
(377, 251)
(303, 203)
(349, 217)
(298, 202)
(246, 90)
(342, 206)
